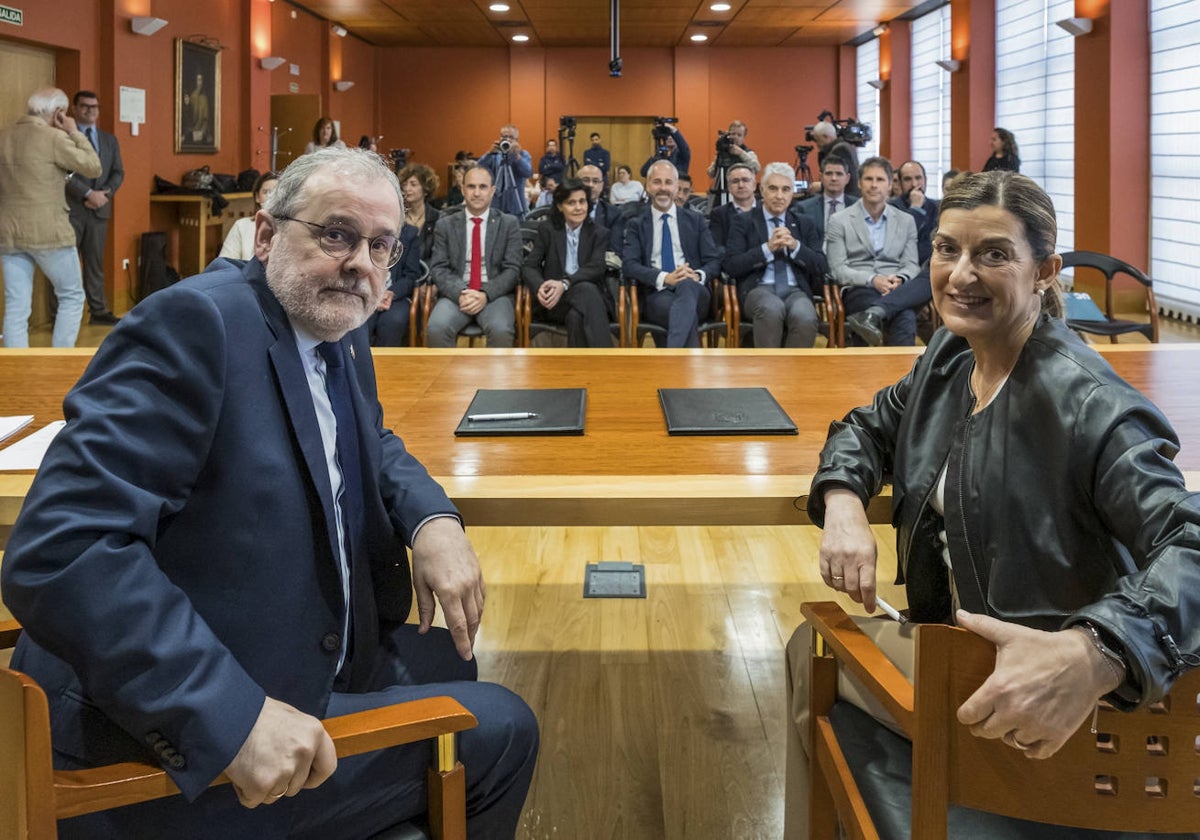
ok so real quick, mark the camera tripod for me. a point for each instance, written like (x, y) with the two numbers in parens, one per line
(566, 142)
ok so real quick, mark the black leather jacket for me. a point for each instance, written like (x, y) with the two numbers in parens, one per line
(1062, 502)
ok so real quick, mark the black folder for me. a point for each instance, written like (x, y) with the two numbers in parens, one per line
(558, 411)
(724, 411)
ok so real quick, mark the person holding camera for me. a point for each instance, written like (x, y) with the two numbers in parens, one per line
(510, 165)
(37, 155)
(731, 149)
(670, 145)
(825, 135)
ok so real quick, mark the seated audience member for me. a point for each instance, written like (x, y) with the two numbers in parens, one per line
(545, 198)
(739, 152)
(740, 180)
(671, 254)
(625, 189)
(602, 213)
(872, 253)
(565, 271)
(775, 258)
(239, 244)
(533, 190)
(675, 148)
(948, 176)
(552, 164)
(1037, 504)
(418, 183)
(832, 197)
(324, 135)
(37, 155)
(253, 566)
(510, 165)
(388, 325)
(476, 262)
(685, 190)
(454, 195)
(923, 209)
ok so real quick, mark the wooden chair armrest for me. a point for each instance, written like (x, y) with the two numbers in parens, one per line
(415, 325)
(80, 792)
(862, 658)
(524, 314)
(428, 296)
(10, 631)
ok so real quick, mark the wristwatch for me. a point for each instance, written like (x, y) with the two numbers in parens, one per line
(566, 284)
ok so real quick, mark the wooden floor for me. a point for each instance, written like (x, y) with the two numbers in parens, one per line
(664, 717)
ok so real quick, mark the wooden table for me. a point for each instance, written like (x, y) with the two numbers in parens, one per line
(626, 470)
(198, 244)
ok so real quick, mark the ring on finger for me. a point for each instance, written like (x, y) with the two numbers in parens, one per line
(272, 796)
(836, 578)
(1010, 738)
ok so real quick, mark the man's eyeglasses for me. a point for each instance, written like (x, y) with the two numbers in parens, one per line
(87, 106)
(339, 241)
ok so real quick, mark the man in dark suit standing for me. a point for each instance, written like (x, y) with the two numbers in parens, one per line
(776, 258)
(832, 198)
(476, 264)
(670, 251)
(565, 270)
(90, 203)
(598, 156)
(226, 481)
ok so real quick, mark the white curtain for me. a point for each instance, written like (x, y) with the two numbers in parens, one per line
(931, 97)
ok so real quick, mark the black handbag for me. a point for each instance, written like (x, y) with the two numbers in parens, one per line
(197, 179)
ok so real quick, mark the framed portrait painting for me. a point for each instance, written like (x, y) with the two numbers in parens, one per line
(197, 98)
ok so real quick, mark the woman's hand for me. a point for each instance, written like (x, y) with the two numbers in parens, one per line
(1044, 685)
(848, 549)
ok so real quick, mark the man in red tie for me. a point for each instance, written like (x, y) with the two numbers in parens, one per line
(475, 265)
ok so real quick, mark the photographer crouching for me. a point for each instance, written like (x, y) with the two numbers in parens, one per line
(669, 144)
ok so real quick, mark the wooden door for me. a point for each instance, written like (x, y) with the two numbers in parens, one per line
(24, 69)
(294, 115)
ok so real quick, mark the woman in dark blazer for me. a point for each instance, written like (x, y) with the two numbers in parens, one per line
(1004, 152)
(418, 183)
(564, 272)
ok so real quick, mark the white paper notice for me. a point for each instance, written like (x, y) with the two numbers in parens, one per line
(27, 453)
(133, 106)
(11, 425)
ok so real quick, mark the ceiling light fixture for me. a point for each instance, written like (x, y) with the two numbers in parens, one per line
(520, 39)
(499, 7)
(720, 7)
(699, 37)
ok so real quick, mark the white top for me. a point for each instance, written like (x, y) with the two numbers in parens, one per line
(621, 193)
(239, 244)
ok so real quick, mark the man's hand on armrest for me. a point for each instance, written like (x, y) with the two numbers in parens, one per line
(285, 752)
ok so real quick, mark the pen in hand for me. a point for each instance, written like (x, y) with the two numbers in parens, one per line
(508, 415)
(891, 611)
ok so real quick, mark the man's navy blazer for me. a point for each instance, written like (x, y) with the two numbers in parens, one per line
(699, 248)
(744, 260)
(174, 560)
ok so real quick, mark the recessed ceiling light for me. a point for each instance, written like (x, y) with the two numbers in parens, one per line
(698, 38)
(720, 7)
(499, 7)
(520, 39)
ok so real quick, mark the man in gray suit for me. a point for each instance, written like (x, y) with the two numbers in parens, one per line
(475, 265)
(90, 203)
(872, 252)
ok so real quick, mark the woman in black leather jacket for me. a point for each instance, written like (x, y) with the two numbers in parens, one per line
(1035, 498)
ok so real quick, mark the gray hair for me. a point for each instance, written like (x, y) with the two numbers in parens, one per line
(778, 167)
(43, 102)
(824, 130)
(351, 164)
(663, 162)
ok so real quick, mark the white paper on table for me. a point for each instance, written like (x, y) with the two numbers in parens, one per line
(9, 426)
(27, 453)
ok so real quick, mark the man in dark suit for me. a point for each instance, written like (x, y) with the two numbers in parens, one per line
(923, 209)
(776, 259)
(872, 253)
(90, 204)
(565, 271)
(740, 181)
(475, 267)
(670, 252)
(598, 156)
(832, 198)
(608, 216)
(212, 556)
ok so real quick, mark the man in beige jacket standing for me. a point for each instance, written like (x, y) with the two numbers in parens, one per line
(37, 155)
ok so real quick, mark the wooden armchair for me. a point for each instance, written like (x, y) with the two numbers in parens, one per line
(716, 324)
(1138, 774)
(528, 328)
(826, 304)
(1113, 326)
(33, 795)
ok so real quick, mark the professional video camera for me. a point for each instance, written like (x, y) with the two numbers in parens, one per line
(660, 132)
(566, 127)
(851, 131)
(399, 157)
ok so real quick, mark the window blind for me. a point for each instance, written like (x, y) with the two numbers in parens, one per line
(1174, 152)
(867, 64)
(1035, 98)
(931, 97)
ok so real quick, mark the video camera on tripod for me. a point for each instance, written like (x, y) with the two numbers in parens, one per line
(851, 131)
(566, 127)
(803, 173)
(399, 157)
(660, 132)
